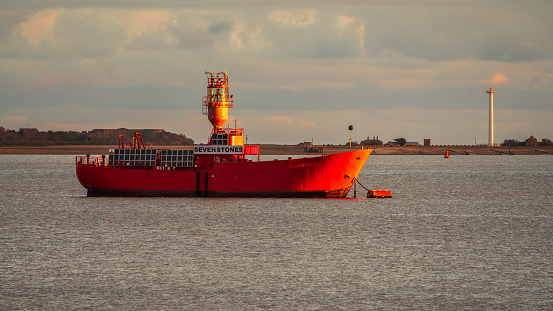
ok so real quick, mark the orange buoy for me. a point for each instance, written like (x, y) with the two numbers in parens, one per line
(379, 194)
(446, 154)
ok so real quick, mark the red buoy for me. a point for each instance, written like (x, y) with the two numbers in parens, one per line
(379, 194)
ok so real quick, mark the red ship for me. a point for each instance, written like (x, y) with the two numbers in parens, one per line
(218, 169)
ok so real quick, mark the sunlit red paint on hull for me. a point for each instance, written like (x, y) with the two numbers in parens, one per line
(322, 176)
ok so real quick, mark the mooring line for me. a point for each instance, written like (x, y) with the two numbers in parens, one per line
(357, 180)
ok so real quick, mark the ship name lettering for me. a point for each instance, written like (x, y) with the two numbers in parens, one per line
(219, 149)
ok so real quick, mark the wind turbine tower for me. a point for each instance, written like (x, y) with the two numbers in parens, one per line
(490, 134)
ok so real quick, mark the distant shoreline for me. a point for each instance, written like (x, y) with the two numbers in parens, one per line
(270, 149)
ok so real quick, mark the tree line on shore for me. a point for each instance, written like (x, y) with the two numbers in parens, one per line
(33, 137)
(528, 142)
(531, 141)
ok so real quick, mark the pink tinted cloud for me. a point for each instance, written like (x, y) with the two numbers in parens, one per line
(306, 124)
(16, 119)
(38, 25)
(58, 126)
(281, 120)
(498, 78)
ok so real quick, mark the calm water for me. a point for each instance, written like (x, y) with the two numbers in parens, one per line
(470, 232)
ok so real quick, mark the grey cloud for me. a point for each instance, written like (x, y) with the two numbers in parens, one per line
(319, 39)
(191, 33)
(138, 97)
(187, 36)
(448, 33)
(118, 3)
(165, 3)
(337, 47)
(370, 98)
(220, 27)
(8, 20)
(13, 45)
(149, 42)
(88, 34)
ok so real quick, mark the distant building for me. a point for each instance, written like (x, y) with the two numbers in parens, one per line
(102, 132)
(28, 132)
(427, 142)
(532, 141)
(374, 141)
(412, 143)
(308, 147)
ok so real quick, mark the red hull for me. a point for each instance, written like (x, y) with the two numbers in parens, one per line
(322, 176)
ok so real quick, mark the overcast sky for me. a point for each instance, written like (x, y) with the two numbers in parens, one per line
(298, 69)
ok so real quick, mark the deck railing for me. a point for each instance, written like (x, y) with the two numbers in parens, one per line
(91, 161)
